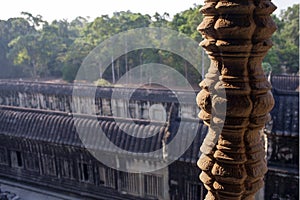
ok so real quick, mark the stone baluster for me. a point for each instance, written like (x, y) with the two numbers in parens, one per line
(236, 37)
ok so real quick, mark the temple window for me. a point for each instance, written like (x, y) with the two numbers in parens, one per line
(3, 156)
(84, 172)
(130, 183)
(67, 168)
(49, 165)
(32, 162)
(107, 177)
(153, 185)
(193, 190)
(16, 159)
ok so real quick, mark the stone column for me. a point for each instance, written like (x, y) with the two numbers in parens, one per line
(236, 37)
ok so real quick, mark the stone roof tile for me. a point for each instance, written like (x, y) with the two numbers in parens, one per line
(62, 129)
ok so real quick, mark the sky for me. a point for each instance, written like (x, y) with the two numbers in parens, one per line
(70, 9)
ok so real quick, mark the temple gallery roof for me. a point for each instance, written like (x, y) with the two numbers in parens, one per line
(285, 82)
(132, 136)
(145, 136)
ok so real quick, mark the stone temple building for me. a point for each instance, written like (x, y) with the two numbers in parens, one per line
(282, 132)
(40, 146)
(41, 150)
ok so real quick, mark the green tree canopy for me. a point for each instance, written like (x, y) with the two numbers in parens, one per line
(284, 55)
(33, 47)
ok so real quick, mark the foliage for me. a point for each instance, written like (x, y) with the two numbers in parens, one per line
(102, 82)
(10, 30)
(30, 46)
(187, 22)
(284, 55)
(267, 67)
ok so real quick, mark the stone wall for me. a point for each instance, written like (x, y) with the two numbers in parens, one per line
(103, 101)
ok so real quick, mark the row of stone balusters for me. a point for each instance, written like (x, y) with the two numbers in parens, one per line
(235, 97)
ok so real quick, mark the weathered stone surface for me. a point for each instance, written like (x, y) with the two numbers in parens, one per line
(236, 37)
